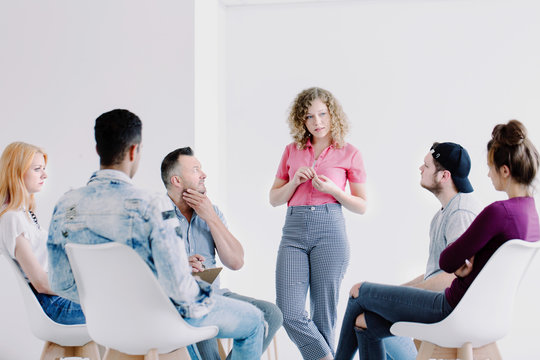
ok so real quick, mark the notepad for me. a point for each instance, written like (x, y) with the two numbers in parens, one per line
(208, 275)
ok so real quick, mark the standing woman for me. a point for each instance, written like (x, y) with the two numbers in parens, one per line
(22, 174)
(314, 251)
(373, 308)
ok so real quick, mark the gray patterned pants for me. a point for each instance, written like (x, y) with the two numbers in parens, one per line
(314, 255)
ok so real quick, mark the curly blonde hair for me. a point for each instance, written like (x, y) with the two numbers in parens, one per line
(339, 126)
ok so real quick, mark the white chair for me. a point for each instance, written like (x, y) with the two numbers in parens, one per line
(60, 340)
(484, 313)
(126, 309)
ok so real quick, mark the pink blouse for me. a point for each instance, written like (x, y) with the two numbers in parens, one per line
(339, 165)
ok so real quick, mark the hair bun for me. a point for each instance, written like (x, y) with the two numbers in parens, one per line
(511, 134)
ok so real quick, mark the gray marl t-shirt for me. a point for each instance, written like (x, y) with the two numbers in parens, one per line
(447, 225)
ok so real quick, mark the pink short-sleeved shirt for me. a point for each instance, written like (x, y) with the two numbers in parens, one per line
(339, 165)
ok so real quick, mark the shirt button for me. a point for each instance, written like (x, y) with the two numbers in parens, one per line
(312, 208)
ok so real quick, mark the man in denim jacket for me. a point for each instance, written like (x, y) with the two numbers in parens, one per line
(111, 208)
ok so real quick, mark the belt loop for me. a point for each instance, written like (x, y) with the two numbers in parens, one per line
(327, 207)
(289, 210)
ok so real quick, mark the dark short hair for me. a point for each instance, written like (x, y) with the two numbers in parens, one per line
(169, 162)
(115, 131)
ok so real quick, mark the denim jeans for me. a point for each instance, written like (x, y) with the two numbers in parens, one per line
(400, 348)
(382, 306)
(208, 349)
(238, 320)
(60, 310)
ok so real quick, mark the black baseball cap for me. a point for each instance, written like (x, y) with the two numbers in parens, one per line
(454, 158)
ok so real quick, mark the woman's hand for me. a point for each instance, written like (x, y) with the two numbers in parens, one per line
(303, 174)
(325, 185)
(465, 269)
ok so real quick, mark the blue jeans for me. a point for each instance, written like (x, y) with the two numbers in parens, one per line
(400, 348)
(238, 320)
(208, 349)
(382, 306)
(59, 309)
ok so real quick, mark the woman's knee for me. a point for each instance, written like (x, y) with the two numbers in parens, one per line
(355, 290)
(361, 322)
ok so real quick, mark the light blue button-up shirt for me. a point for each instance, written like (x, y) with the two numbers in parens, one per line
(199, 240)
(111, 208)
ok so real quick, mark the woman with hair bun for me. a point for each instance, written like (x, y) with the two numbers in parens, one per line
(22, 174)
(314, 251)
(373, 308)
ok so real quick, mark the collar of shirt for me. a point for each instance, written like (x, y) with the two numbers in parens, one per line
(181, 216)
(109, 175)
(309, 145)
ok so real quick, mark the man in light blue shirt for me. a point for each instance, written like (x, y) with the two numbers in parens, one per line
(111, 208)
(205, 232)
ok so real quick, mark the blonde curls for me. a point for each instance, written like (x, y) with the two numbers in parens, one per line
(297, 117)
(15, 161)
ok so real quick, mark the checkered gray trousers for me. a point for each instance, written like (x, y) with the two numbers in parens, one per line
(314, 255)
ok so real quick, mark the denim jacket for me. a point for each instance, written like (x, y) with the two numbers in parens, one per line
(111, 208)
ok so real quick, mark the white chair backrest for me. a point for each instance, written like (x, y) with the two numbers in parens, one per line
(40, 324)
(484, 313)
(126, 309)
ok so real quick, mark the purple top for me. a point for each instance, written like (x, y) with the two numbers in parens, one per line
(515, 218)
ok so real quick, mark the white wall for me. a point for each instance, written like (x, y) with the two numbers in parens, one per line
(64, 63)
(407, 73)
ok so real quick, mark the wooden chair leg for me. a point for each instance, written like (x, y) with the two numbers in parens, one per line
(180, 354)
(465, 352)
(221, 350)
(52, 351)
(89, 350)
(111, 354)
(269, 350)
(489, 351)
(494, 354)
(425, 350)
(152, 355)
